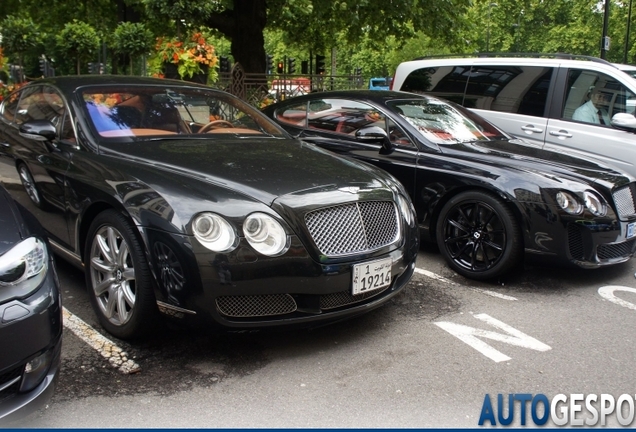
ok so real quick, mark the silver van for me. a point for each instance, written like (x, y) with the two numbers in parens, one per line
(577, 104)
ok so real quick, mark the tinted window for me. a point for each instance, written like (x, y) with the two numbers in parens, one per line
(516, 89)
(593, 97)
(513, 89)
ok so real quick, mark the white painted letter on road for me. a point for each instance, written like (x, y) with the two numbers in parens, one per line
(607, 292)
(470, 336)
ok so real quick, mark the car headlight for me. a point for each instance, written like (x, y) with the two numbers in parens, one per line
(214, 232)
(595, 204)
(569, 203)
(23, 268)
(406, 208)
(265, 234)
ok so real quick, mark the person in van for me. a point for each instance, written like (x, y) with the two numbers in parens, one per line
(594, 110)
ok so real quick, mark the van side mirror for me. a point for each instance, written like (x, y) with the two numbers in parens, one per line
(375, 134)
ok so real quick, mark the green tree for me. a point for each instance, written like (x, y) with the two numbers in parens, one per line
(19, 35)
(311, 24)
(78, 40)
(132, 40)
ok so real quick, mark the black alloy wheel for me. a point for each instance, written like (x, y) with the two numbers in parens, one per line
(479, 236)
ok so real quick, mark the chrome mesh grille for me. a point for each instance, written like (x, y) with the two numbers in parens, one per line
(624, 201)
(256, 305)
(343, 298)
(354, 227)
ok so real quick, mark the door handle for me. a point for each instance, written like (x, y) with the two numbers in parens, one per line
(531, 128)
(5, 144)
(561, 134)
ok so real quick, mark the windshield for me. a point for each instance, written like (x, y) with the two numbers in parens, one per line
(143, 111)
(443, 123)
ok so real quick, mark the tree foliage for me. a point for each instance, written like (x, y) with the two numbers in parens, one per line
(132, 40)
(19, 35)
(79, 40)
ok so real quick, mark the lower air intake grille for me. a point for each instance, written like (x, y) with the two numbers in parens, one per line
(353, 228)
(575, 242)
(615, 250)
(10, 382)
(343, 298)
(256, 305)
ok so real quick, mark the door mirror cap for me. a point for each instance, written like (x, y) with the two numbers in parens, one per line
(375, 134)
(38, 130)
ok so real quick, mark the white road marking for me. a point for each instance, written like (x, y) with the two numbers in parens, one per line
(111, 352)
(450, 282)
(607, 292)
(469, 335)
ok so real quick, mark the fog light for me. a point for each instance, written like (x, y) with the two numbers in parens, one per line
(36, 370)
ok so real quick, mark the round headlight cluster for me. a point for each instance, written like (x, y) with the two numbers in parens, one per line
(594, 204)
(571, 204)
(214, 232)
(406, 209)
(265, 234)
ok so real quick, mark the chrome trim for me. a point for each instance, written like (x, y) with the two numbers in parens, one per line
(10, 383)
(174, 308)
(72, 257)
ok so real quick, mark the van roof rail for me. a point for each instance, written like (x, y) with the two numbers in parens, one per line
(509, 54)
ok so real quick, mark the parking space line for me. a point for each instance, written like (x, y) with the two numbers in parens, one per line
(111, 352)
(450, 282)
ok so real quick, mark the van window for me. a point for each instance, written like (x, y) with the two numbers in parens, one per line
(512, 89)
(594, 97)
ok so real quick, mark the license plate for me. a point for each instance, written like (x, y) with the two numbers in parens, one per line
(371, 276)
(631, 231)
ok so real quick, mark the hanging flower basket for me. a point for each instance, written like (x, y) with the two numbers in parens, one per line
(188, 60)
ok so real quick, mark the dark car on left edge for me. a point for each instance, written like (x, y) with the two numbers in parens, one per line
(30, 314)
(184, 200)
(486, 199)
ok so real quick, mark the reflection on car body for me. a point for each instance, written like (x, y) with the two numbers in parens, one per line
(185, 200)
(483, 197)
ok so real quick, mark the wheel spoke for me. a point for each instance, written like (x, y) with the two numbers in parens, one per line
(103, 286)
(122, 254)
(493, 245)
(129, 274)
(110, 308)
(104, 249)
(459, 225)
(461, 251)
(101, 266)
(122, 303)
(112, 243)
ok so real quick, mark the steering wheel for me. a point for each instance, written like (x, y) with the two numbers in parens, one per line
(214, 124)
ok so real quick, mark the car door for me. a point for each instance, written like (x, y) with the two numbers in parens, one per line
(586, 135)
(332, 123)
(33, 170)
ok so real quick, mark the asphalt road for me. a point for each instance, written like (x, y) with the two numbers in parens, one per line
(427, 359)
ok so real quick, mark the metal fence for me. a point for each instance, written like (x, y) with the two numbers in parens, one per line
(261, 90)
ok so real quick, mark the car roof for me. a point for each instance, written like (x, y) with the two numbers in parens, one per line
(68, 83)
(380, 96)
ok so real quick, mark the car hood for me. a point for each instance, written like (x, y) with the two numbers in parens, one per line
(527, 157)
(10, 227)
(264, 169)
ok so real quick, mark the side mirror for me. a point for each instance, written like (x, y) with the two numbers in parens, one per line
(38, 130)
(375, 134)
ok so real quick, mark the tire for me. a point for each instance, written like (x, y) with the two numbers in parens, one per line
(479, 236)
(29, 185)
(118, 278)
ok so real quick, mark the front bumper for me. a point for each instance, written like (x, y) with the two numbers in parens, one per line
(30, 333)
(593, 246)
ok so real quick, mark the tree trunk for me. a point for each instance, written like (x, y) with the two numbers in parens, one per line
(248, 42)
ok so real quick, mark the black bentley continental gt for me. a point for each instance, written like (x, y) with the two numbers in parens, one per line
(483, 197)
(180, 199)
